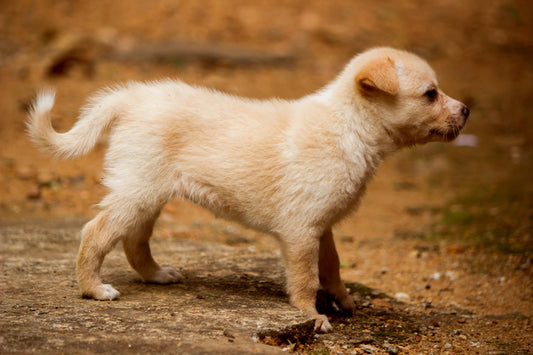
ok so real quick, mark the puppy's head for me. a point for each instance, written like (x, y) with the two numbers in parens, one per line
(401, 92)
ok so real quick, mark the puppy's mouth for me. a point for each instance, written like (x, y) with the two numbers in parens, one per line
(446, 136)
(449, 130)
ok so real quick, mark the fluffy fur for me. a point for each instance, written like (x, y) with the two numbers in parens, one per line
(289, 168)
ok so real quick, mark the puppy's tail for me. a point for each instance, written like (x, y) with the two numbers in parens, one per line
(94, 119)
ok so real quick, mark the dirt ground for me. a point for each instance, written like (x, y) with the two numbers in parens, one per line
(439, 256)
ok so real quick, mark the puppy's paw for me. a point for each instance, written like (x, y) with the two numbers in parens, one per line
(322, 324)
(165, 275)
(104, 292)
(342, 301)
(346, 303)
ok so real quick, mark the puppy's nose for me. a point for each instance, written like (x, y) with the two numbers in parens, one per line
(465, 111)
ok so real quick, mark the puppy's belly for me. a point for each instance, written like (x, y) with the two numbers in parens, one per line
(251, 211)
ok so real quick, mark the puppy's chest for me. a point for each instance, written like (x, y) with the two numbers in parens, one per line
(347, 191)
(350, 190)
(336, 187)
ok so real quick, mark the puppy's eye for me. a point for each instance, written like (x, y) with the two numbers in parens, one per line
(431, 94)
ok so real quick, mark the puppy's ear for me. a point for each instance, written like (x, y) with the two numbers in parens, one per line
(378, 76)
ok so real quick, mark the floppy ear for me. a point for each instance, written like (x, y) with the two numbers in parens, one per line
(378, 76)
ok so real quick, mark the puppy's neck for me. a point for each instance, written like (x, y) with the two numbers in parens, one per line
(355, 122)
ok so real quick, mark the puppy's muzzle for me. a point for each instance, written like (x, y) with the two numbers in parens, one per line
(459, 114)
(465, 112)
(454, 123)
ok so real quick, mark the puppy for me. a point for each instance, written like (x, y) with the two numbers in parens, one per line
(289, 168)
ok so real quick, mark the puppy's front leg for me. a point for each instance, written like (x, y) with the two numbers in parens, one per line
(301, 260)
(330, 278)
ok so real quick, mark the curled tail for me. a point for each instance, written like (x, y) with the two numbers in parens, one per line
(95, 118)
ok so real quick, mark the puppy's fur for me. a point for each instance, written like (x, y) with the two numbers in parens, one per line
(289, 168)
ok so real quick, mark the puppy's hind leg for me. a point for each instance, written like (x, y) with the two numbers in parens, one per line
(129, 220)
(99, 236)
(137, 249)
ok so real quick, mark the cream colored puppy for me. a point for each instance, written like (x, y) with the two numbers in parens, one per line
(289, 168)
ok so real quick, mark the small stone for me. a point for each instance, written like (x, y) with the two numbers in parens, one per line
(451, 275)
(25, 173)
(34, 193)
(447, 346)
(389, 348)
(401, 296)
(44, 178)
(228, 333)
(369, 349)
(435, 276)
(426, 303)
(289, 348)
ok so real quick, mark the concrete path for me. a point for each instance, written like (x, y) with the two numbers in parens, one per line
(231, 297)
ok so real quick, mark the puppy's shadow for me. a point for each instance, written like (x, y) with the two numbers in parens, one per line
(231, 290)
(262, 282)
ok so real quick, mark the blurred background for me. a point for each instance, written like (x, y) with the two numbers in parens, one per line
(471, 200)
(482, 52)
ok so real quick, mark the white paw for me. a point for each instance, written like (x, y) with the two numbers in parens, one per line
(322, 324)
(166, 275)
(106, 292)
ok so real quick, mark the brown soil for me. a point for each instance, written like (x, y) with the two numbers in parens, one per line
(439, 256)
